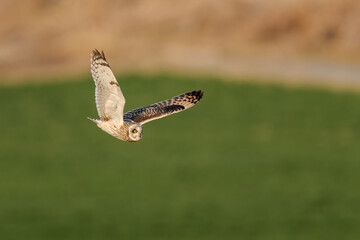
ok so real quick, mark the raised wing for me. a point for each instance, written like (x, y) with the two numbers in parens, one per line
(109, 99)
(161, 109)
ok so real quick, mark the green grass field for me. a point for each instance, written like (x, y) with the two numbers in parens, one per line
(247, 162)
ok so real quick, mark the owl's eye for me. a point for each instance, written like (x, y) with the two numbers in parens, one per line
(134, 131)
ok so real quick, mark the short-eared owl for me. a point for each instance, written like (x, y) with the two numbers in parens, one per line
(110, 104)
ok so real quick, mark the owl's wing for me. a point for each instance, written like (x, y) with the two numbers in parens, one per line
(162, 109)
(109, 99)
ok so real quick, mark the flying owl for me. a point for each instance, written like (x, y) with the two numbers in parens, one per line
(110, 104)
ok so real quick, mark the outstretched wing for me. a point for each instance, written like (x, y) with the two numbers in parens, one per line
(109, 99)
(161, 109)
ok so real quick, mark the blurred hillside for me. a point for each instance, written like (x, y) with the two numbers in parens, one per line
(291, 39)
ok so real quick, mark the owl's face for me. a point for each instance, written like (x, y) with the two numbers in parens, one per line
(135, 132)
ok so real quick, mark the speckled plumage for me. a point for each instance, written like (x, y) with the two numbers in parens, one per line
(164, 108)
(110, 104)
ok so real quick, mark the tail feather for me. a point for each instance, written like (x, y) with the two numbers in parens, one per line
(95, 121)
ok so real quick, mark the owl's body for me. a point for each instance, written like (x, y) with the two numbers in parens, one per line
(124, 131)
(110, 104)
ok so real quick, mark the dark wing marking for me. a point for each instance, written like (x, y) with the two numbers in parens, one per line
(165, 108)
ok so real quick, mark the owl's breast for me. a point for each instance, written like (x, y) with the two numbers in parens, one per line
(114, 130)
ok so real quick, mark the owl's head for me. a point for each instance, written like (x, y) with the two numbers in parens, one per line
(134, 132)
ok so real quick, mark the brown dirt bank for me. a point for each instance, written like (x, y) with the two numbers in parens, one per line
(312, 41)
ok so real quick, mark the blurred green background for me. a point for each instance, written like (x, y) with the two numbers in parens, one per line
(248, 162)
(272, 151)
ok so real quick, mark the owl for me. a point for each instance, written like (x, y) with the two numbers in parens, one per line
(110, 104)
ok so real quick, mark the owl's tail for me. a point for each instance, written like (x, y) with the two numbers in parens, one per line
(95, 121)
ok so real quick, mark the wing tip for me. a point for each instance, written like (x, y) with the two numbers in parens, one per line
(200, 94)
(96, 54)
(197, 94)
(98, 58)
